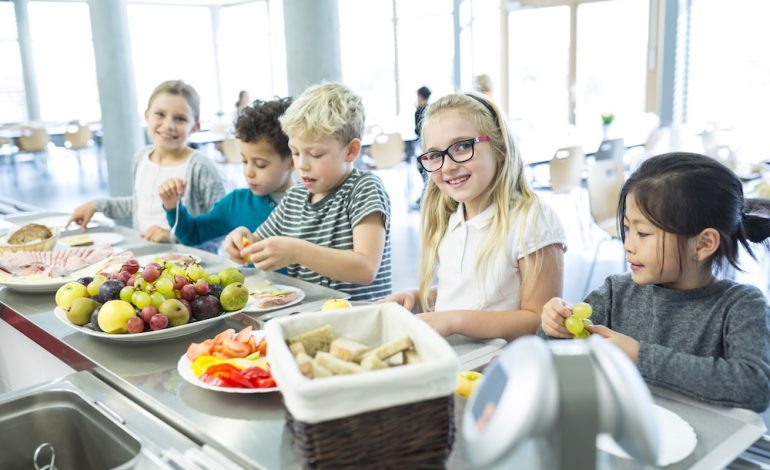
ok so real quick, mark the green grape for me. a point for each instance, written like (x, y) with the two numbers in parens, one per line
(582, 310)
(177, 270)
(587, 322)
(141, 299)
(213, 279)
(574, 324)
(93, 286)
(156, 298)
(582, 335)
(164, 285)
(126, 294)
(169, 295)
(195, 272)
(140, 284)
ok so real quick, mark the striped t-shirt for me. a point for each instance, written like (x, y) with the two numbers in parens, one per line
(329, 223)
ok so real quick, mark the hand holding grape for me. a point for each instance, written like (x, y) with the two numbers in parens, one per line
(577, 323)
(555, 311)
(627, 344)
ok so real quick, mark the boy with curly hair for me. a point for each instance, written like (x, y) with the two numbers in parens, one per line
(267, 166)
(334, 228)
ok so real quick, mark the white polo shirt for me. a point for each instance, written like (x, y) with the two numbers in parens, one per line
(149, 177)
(460, 286)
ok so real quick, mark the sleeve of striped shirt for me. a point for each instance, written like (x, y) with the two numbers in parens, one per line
(369, 196)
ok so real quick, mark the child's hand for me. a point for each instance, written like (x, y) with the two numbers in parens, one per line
(440, 321)
(156, 234)
(234, 244)
(627, 344)
(409, 299)
(271, 253)
(552, 319)
(171, 191)
(82, 215)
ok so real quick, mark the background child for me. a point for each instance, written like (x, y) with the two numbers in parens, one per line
(683, 215)
(496, 250)
(334, 228)
(172, 115)
(267, 166)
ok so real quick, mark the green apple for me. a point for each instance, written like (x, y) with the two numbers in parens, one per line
(229, 276)
(79, 313)
(68, 293)
(176, 312)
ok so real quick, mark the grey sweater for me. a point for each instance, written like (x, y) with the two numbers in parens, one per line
(205, 187)
(711, 343)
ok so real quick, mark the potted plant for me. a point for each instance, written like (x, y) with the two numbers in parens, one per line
(607, 120)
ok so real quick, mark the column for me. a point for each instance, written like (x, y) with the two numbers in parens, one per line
(27, 63)
(312, 43)
(117, 92)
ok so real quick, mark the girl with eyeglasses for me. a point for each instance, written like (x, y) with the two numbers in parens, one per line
(495, 250)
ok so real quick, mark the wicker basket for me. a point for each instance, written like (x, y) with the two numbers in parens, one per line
(415, 435)
(37, 245)
(397, 417)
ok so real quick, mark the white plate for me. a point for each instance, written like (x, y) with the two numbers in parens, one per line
(148, 335)
(184, 369)
(170, 256)
(298, 299)
(59, 221)
(99, 238)
(676, 437)
(33, 285)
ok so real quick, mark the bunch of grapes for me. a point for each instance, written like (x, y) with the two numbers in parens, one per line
(577, 322)
(149, 289)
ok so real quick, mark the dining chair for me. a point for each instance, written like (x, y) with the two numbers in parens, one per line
(77, 137)
(34, 141)
(604, 181)
(387, 150)
(611, 149)
(231, 151)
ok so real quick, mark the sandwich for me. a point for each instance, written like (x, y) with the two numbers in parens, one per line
(274, 298)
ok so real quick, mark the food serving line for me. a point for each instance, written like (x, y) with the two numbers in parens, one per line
(249, 429)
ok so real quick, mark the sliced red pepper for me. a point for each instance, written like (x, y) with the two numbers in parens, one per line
(266, 383)
(256, 372)
(211, 380)
(237, 380)
(221, 368)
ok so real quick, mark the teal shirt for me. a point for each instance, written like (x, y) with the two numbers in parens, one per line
(238, 208)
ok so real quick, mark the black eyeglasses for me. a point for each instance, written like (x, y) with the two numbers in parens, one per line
(459, 152)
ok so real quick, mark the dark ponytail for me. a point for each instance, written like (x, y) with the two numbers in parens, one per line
(756, 220)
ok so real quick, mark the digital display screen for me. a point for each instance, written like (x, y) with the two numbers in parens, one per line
(488, 396)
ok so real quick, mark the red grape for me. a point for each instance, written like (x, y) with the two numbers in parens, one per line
(150, 273)
(202, 287)
(188, 292)
(132, 266)
(130, 281)
(158, 322)
(148, 312)
(135, 325)
(179, 282)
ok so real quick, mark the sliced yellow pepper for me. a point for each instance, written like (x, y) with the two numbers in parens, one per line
(201, 363)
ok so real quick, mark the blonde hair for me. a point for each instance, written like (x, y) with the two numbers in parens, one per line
(483, 83)
(509, 193)
(179, 88)
(325, 110)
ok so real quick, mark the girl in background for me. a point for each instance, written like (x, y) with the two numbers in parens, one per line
(684, 217)
(494, 247)
(172, 114)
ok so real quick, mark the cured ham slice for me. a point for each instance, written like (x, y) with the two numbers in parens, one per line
(54, 263)
(275, 298)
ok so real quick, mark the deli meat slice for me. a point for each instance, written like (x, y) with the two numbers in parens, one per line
(54, 263)
(275, 298)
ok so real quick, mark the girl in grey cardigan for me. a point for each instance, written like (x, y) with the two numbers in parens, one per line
(172, 114)
(683, 218)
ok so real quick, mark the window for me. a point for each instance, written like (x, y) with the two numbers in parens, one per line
(171, 43)
(13, 107)
(64, 61)
(728, 81)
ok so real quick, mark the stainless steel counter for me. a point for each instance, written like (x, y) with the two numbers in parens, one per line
(250, 428)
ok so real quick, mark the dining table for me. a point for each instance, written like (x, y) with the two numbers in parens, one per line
(249, 430)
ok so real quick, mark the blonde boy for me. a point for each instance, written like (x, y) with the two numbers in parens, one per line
(334, 228)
